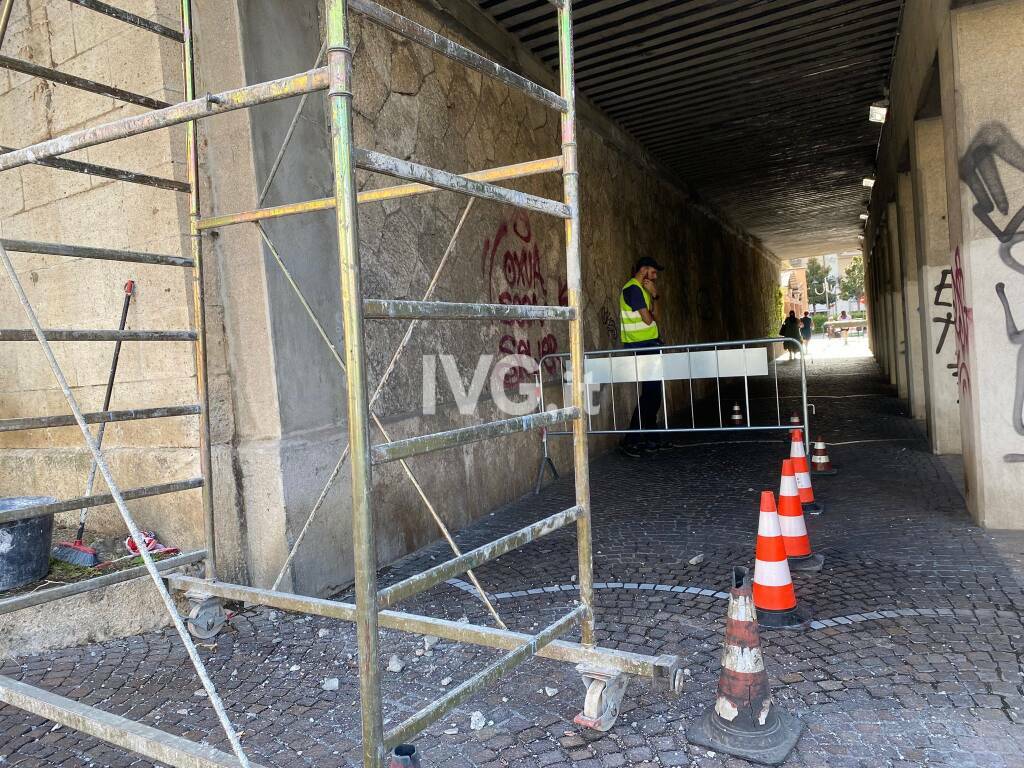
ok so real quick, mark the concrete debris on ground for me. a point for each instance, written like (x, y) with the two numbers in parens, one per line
(914, 657)
(330, 684)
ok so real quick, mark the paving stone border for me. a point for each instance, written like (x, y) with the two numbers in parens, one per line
(853, 618)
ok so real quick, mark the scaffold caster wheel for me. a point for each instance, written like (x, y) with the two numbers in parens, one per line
(207, 618)
(605, 689)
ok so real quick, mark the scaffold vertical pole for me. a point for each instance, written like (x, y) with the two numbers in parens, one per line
(339, 64)
(5, 17)
(574, 278)
(198, 293)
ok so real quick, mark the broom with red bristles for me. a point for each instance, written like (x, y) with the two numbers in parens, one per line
(76, 552)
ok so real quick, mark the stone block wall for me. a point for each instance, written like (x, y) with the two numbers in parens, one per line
(277, 395)
(49, 205)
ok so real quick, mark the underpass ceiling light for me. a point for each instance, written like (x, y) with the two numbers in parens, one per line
(868, 182)
(878, 111)
(863, 217)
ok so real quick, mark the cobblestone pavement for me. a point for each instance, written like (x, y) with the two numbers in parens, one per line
(915, 656)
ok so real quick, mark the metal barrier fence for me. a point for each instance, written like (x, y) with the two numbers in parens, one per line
(612, 371)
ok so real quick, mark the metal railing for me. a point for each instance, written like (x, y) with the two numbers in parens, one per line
(369, 610)
(616, 377)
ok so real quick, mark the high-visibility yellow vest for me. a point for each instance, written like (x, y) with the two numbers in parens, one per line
(632, 327)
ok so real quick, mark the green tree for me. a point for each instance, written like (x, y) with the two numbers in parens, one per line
(852, 284)
(819, 275)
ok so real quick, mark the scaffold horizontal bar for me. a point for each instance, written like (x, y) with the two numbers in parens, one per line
(414, 446)
(211, 104)
(98, 417)
(422, 581)
(660, 668)
(131, 735)
(117, 174)
(456, 52)
(83, 252)
(97, 500)
(76, 334)
(41, 596)
(502, 173)
(260, 214)
(401, 309)
(405, 730)
(130, 18)
(63, 78)
(434, 177)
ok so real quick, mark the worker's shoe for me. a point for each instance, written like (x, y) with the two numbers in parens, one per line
(633, 450)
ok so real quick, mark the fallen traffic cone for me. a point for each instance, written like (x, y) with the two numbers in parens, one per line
(774, 596)
(745, 722)
(821, 464)
(792, 525)
(736, 419)
(803, 475)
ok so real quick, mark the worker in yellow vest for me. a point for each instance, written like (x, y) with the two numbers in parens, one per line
(638, 329)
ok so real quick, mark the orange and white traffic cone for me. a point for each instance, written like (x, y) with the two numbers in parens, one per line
(803, 474)
(821, 464)
(736, 419)
(794, 422)
(774, 596)
(792, 525)
(744, 721)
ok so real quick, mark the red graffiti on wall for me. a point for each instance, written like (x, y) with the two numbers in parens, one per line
(514, 270)
(964, 319)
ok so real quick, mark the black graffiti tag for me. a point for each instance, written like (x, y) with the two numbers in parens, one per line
(944, 284)
(1016, 336)
(979, 171)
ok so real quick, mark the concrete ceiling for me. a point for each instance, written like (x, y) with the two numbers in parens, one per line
(760, 105)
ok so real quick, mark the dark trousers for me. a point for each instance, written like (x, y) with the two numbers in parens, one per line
(646, 414)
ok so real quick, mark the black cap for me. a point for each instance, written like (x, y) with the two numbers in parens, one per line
(647, 261)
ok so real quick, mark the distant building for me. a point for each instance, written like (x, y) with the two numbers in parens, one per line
(794, 290)
(837, 264)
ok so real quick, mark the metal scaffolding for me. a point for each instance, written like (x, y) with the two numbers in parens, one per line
(604, 670)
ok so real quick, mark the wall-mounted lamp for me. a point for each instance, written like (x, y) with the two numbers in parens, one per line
(868, 182)
(863, 217)
(878, 111)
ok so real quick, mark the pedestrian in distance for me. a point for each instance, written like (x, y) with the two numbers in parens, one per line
(806, 330)
(791, 330)
(844, 332)
(638, 329)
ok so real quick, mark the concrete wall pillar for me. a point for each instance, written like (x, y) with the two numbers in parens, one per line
(885, 282)
(876, 313)
(935, 288)
(896, 302)
(981, 62)
(911, 297)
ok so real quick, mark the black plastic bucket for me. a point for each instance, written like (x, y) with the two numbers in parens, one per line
(24, 544)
